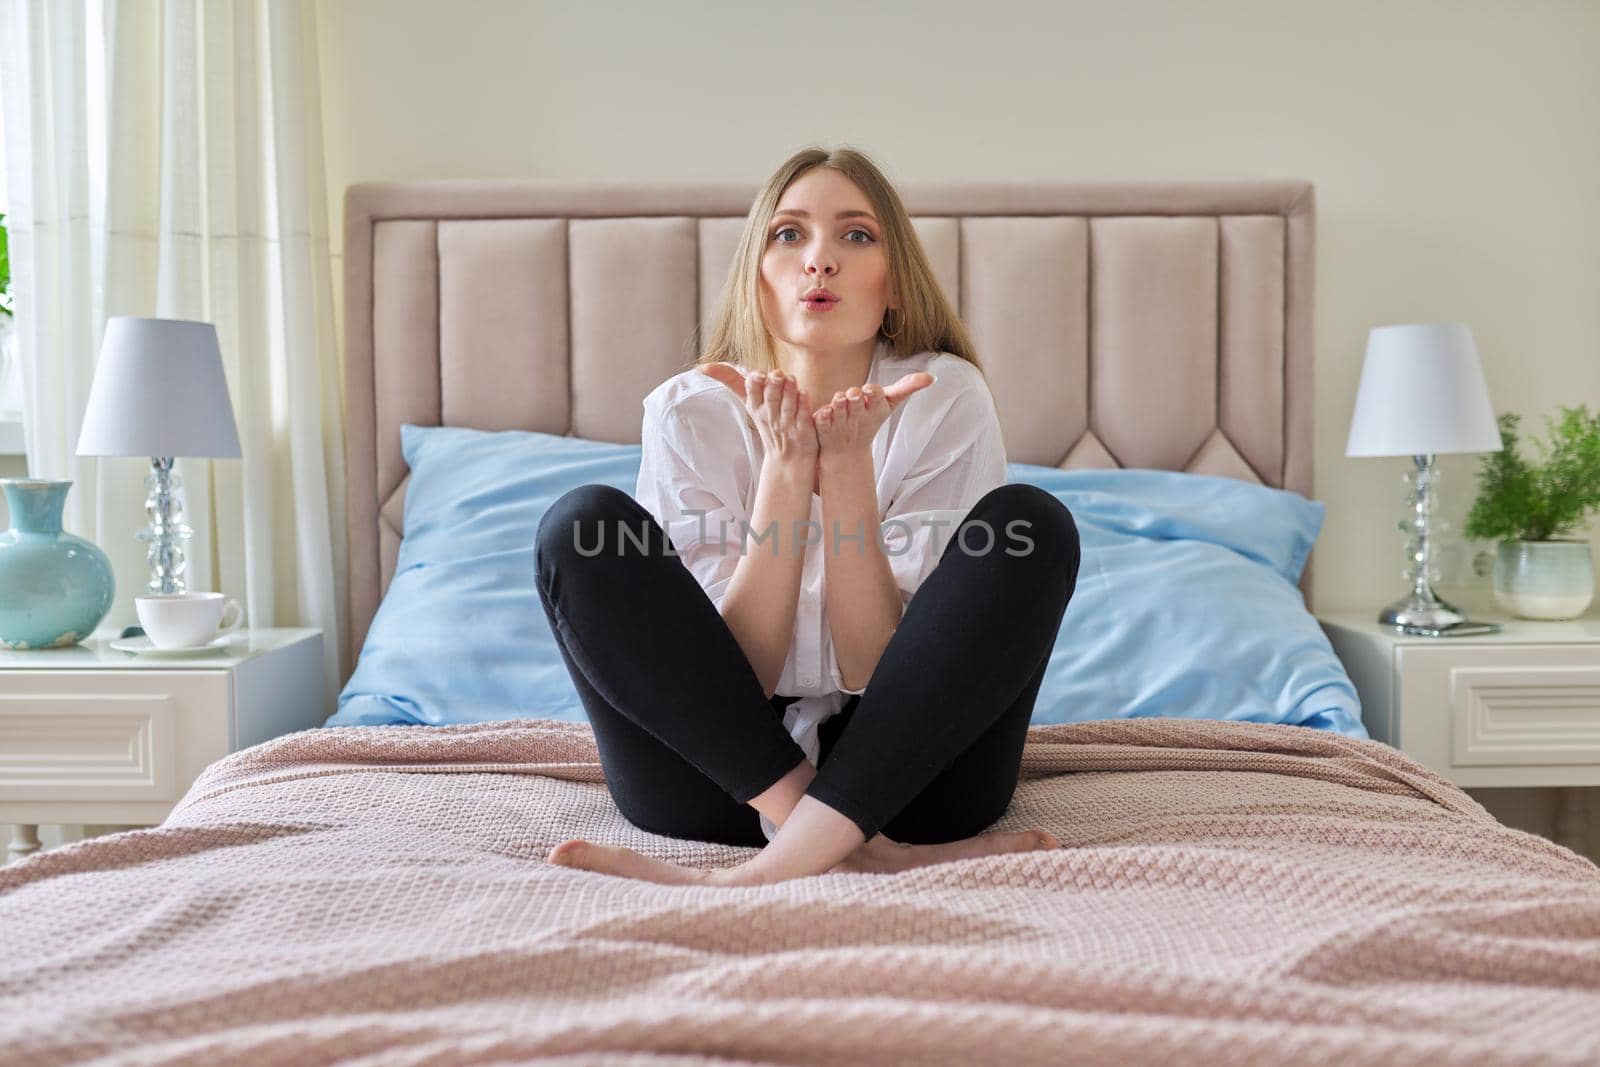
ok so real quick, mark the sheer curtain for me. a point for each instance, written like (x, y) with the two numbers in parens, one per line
(164, 157)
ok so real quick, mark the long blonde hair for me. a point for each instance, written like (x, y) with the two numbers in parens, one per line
(927, 321)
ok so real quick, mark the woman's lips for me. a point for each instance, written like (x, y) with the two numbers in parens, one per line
(819, 305)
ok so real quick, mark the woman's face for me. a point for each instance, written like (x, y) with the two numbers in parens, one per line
(824, 234)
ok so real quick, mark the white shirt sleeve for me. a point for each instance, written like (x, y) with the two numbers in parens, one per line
(953, 454)
(693, 478)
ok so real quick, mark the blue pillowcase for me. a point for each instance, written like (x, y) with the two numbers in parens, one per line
(461, 636)
(1186, 603)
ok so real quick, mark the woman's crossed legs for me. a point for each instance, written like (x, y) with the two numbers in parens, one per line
(696, 756)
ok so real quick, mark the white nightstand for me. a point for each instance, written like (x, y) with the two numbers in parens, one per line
(1516, 708)
(91, 735)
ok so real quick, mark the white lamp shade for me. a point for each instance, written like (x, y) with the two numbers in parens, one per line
(159, 390)
(1422, 393)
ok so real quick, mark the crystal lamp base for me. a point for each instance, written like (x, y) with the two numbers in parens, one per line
(167, 533)
(1415, 610)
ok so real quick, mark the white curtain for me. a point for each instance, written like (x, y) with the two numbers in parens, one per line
(164, 157)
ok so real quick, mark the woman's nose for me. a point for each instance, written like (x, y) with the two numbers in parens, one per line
(820, 264)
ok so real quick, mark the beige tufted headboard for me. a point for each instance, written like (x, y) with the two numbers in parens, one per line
(1164, 325)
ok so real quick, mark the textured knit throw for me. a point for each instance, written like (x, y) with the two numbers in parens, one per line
(1228, 893)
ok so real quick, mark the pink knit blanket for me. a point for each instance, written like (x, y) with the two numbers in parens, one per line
(1228, 893)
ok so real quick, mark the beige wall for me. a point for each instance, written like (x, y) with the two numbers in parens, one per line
(1455, 148)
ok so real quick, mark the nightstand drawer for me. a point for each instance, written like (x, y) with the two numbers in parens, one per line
(110, 735)
(1508, 705)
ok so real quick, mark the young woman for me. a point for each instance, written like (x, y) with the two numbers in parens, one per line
(826, 615)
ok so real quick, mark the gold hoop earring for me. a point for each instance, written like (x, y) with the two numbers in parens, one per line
(901, 329)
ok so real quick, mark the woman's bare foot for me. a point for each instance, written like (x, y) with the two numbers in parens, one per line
(877, 856)
(883, 856)
(625, 863)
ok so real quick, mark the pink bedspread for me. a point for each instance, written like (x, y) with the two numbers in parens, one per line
(1229, 893)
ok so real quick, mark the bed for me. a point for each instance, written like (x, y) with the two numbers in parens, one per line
(1229, 891)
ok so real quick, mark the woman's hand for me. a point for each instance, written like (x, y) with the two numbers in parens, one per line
(848, 424)
(781, 412)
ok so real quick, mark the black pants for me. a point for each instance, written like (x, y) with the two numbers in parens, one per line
(930, 752)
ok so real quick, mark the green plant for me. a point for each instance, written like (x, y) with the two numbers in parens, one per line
(1522, 502)
(5, 269)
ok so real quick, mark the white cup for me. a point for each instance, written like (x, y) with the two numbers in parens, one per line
(186, 620)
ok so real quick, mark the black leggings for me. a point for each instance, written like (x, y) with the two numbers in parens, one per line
(930, 752)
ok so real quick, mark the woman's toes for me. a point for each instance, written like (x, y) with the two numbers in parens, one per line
(999, 842)
(624, 862)
(568, 853)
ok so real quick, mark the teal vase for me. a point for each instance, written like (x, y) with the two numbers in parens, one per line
(54, 587)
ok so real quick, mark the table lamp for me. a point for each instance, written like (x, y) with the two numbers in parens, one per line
(159, 391)
(1422, 393)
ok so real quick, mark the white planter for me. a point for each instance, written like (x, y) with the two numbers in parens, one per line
(1544, 579)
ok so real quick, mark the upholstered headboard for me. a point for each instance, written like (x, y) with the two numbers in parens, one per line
(1164, 325)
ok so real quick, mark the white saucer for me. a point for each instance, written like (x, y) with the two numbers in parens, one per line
(145, 647)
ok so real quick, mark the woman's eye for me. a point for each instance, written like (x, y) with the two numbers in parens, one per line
(778, 235)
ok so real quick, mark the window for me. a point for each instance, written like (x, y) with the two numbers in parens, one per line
(10, 371)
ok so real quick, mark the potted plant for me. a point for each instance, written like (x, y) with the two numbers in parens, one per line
(1538, 572)
(9, 388)
(5, 271)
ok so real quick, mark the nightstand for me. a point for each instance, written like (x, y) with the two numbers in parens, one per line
(1516, 708)
(91, 735)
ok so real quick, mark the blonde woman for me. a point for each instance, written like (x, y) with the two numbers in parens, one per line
(822, 624)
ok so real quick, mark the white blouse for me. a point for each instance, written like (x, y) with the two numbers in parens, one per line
(935, 457)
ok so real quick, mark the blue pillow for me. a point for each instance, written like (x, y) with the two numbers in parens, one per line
(1185, 605)
(460, 636)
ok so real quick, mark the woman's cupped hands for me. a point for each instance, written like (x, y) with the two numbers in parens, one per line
(794, 431)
